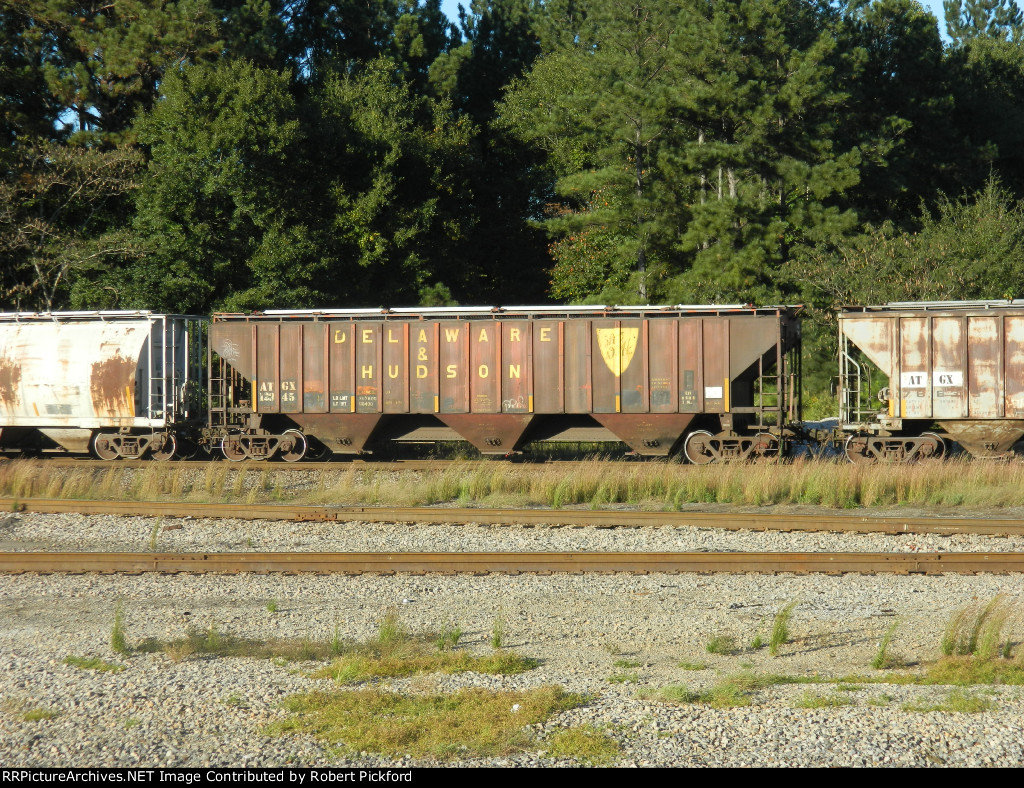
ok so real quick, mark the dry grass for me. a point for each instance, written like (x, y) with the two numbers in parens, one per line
(983, 629)
(596, 483)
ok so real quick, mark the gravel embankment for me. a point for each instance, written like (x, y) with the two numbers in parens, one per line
(214, 711)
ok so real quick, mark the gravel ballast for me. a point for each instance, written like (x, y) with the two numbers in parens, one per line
(215, 711)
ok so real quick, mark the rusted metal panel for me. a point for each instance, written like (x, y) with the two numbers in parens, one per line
(70, 375)
(663, 355)
(647, 433)
(291, 367)
(949, 362)
(915, 386)
(751, 338)
(267, 383)
(233, 342)
(342, 433)
(548, 352)
(985, 438)
(497, 433)
(454, 366)
(315, 338)
(633, 366)
(341, 357)
(1014, 364)
(517, 366)
(716, 364)
(367, 371)
(611, 346)
(485, 366)
(578, 360)
(875, 337)
(423, 353)
(112, 386)
(985, 367)
(691, 365)
(396, 367)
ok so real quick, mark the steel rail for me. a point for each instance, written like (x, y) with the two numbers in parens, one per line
(600, 518)
(514, 563)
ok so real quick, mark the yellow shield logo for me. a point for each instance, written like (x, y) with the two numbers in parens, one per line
(617, 347)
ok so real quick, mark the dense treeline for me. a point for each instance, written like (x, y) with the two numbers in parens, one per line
(244, 154)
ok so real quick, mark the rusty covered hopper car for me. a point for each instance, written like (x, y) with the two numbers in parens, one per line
(124, 384)
(717, 381)
(957, 367)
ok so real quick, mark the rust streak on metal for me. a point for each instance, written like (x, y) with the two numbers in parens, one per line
(514, 563)
(111, 382)
(595, 518)
(10, 377)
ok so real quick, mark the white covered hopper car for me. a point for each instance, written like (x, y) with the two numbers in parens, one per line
(121, 384)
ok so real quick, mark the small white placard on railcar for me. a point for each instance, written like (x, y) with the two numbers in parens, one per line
(913, 380)
(712, 392)
(942, 379)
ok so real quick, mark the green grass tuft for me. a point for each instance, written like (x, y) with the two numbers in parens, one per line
(469, 723)
(812, 700)
(780, 628)
(721, 644)
(93, 663)
(118, 641)
(586, 744)
(956, 702)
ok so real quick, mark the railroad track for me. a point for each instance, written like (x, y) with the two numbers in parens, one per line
(307, 465)
(600, 518)
(514, 563)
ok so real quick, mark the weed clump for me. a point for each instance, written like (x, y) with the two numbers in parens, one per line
(780, 628)
(586, 744)
(118, 641)
(468, 723)
(883, 659)
(93, 663)
(721, 644)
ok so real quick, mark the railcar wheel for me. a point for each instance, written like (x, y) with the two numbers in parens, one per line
(698, 448)
(232, 449)
(927, 452)
(857, 450)
(168, 450)
(299, 446)
(104, 448)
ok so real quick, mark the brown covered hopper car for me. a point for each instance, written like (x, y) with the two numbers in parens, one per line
(124, 384)
(959, 365)
(719, 381)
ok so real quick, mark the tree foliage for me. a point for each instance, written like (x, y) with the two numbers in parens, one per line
(245, 154)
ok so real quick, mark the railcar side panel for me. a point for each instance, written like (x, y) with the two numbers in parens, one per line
(314, 367)
(454, 367)
(716, 365)
(1014, 361)
(268, 375)
(396, 368)
(368, 368)
(292, 374)
(548, 357)
(341, 359)
(423, 353)
(663, 353)
(949, 353)
(578, 372)
(516, 366)
(485, 366)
